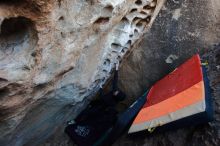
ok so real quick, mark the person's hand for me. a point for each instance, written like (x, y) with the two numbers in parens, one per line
(101, 85)
(117, 65)
(116, 93)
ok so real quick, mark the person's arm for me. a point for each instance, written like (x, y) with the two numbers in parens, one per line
(101, 92)
(115, 81)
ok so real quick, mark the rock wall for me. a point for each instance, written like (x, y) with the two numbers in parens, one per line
(182, 28)
(54, 54)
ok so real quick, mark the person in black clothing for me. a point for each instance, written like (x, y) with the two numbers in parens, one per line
(97, 118)
(114, 96)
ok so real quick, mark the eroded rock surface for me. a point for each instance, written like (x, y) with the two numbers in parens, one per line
(54, 54)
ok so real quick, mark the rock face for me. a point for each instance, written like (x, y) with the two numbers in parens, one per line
(54, 54)
(183, 28)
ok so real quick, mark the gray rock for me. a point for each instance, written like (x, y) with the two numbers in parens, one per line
(182, 29)
(54, 56)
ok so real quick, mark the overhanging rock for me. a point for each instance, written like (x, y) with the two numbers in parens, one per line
(54, 54)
